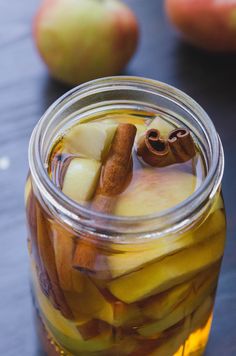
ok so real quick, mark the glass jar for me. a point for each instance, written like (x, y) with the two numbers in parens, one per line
(153, 289)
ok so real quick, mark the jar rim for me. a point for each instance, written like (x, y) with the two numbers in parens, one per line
(73, 213)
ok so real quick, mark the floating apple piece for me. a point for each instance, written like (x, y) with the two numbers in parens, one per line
(161, 125)
(205, 23)
(81, 179)
(85, 39)
(91, 140)
(151, 193)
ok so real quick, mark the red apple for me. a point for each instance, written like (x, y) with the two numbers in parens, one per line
(80, 40)
(210, 24)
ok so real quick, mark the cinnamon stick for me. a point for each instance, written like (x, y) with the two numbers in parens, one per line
(115, 174)
(48, 276)
(157, 152)
(182, 145)
(64, 244)
(154, 150)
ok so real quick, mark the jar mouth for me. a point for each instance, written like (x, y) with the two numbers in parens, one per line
(166, 221)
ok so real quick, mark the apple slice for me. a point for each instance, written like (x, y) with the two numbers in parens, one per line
(168, 272)
(28, 187)
(89, 304)
(91, 140)
(81, 178)
(158, 307)
(126, 315)
(130, 259)
(77, 345)
(161, 125)
(129, 119)
(54, 316)
(172, 343)
(201, 287)
(154, 191)
(202, 313)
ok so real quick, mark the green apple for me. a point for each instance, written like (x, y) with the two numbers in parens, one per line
(80, 40)
(81, 179)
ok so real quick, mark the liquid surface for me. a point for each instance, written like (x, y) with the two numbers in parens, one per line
(77, 159)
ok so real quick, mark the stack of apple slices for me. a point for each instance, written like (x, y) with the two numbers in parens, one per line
(91, 141)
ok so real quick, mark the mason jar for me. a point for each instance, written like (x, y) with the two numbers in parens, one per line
(153, 287)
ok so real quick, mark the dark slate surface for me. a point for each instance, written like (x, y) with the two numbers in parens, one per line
(26, 90)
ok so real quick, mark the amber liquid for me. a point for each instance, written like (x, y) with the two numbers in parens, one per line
(155, 299)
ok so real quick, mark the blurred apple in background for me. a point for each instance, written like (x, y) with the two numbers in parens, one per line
(80, 40)
(210, 24)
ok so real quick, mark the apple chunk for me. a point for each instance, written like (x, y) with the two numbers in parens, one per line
(81, 179)
(161, 125)
(168, 272)
(200, 288)
(132, 259)
(91, 140)
(154, 191)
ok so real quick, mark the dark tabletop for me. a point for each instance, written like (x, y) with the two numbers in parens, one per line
(26, 91)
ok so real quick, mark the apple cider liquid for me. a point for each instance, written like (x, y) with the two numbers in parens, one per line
(101, 294)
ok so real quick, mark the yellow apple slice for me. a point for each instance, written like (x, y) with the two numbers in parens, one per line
(28, 187)
(158, 307)
(78, 346)
(54, 316)
(81, 178)
(161, 125)
(154, 191)
(130, 258)
(130, 119)
(202, 313)
(168, 272)
(202, 286)
(89, 304)
(91, 140)
(171, 344)
(126, 315)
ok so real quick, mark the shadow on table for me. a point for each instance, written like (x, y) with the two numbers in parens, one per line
(204, 73)
(52, 90)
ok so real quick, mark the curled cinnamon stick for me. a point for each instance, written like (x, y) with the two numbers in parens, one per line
(115, 174)
(154, 150)
(182, 145)
(157, 152)
(48, 276)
